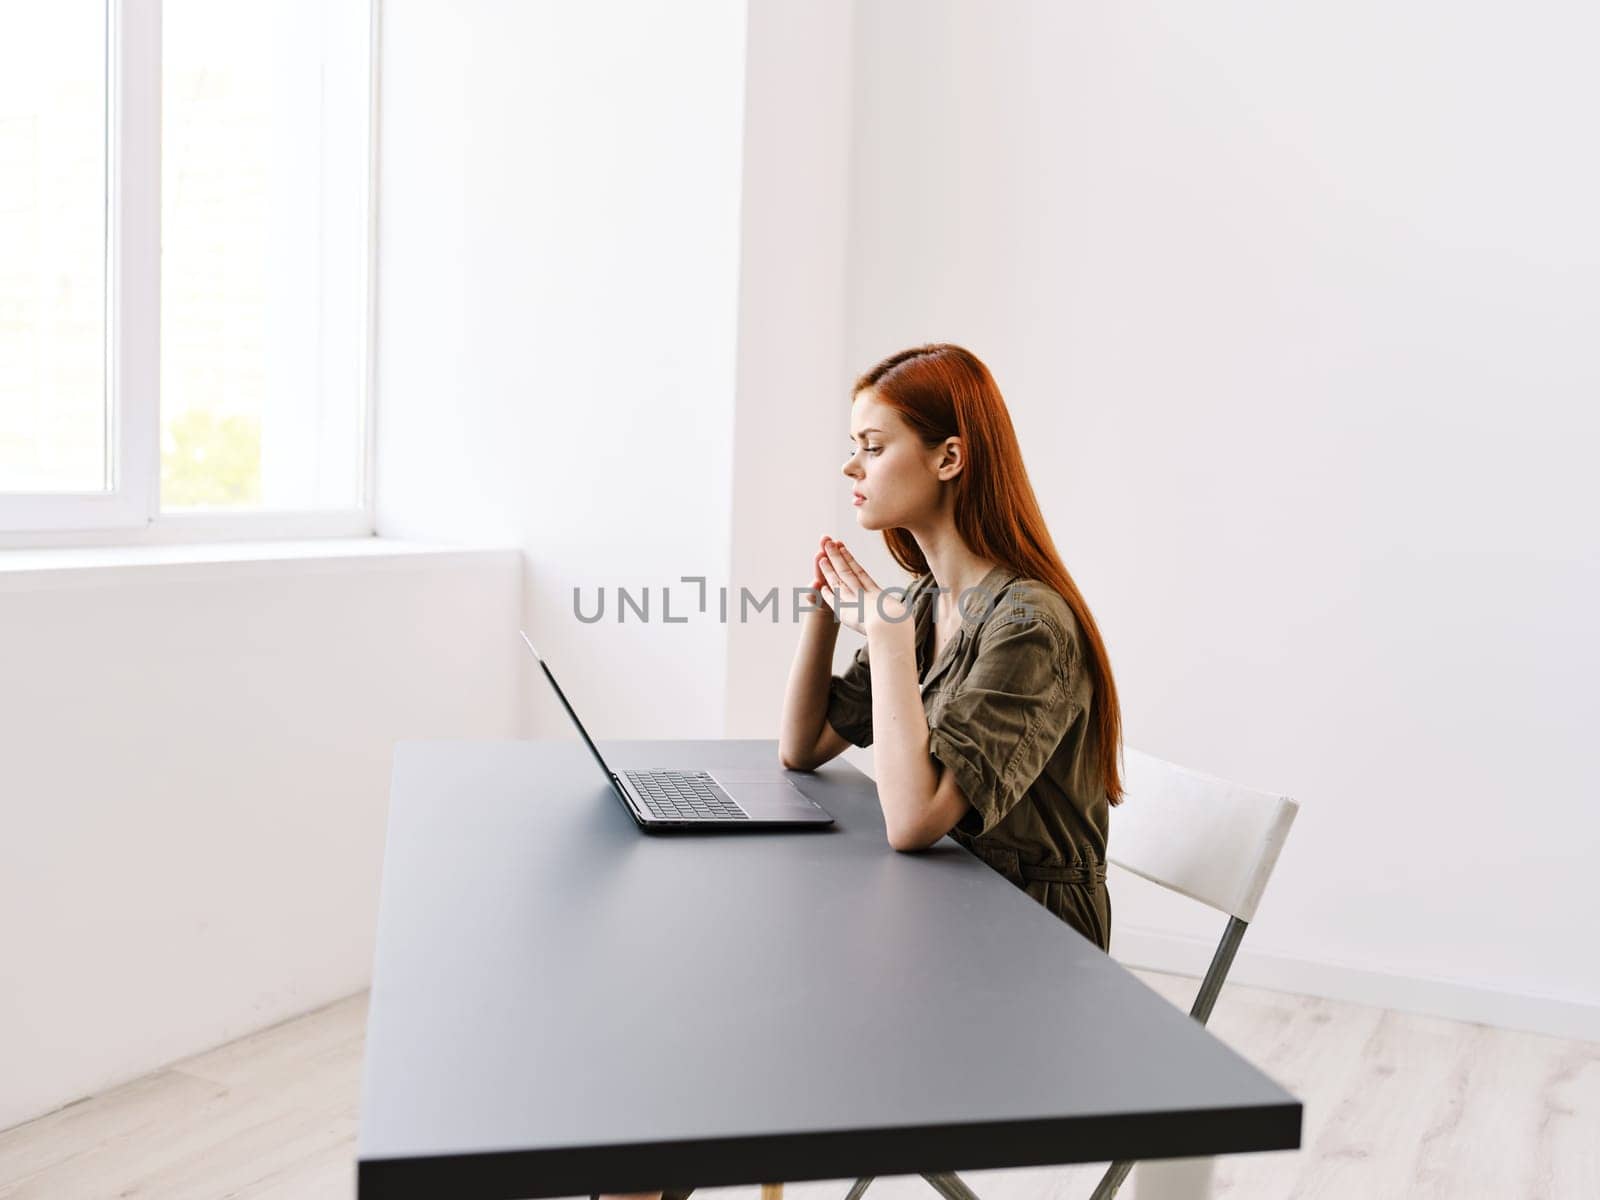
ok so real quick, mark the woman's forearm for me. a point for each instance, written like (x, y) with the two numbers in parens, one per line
(906, 774)
(805, 701)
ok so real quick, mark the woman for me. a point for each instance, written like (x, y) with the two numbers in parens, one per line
(984, 684)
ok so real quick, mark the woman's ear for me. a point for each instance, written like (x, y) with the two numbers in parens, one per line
(952, 458)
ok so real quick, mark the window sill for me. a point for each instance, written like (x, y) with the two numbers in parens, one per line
(58, 566)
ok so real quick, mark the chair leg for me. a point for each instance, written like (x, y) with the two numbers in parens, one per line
(859, 1188)
(1204, 1001)
(950, 1186)
(1112, 1180)
(1221, 961)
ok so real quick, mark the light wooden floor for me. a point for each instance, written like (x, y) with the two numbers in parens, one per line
(1396, 1106)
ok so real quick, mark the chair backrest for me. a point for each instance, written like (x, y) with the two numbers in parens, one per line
(1211, 840)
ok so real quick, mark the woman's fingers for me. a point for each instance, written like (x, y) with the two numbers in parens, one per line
(859, 571)
(842, 592)
(841, 562)
(853, 571)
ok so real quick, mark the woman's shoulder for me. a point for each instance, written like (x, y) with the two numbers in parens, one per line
(1032, 602)
(1020, 599)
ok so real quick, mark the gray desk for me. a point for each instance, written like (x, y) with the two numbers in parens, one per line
(564, 1004)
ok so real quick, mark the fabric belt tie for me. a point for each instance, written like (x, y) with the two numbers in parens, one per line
(1070, 873)
(1009, 862)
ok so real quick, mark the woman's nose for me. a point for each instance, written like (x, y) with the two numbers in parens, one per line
(850, 467)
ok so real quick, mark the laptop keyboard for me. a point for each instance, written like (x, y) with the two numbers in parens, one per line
(684, 796)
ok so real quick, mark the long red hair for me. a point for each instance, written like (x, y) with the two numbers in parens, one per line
(944, 391)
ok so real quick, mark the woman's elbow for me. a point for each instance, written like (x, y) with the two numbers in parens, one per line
(791, 761)
(908, 840)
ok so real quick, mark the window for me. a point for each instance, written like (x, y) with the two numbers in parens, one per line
(53, 250)
(185, 267)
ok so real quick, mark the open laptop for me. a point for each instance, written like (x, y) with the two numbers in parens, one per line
(716, 798)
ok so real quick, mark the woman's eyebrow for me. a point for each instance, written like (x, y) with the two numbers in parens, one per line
(864, 433)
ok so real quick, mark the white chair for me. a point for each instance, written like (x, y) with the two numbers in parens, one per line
(1205, 838)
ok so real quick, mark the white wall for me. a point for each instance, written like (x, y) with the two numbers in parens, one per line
(558, 298)
(793, 409)
(613, 253)
(196, 782)
(1294, 308)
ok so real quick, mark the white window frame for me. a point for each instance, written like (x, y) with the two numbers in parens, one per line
(129, 513)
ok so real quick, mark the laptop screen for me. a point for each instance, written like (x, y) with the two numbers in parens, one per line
(588, 741)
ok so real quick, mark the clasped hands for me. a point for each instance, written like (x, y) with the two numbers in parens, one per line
(857, 601)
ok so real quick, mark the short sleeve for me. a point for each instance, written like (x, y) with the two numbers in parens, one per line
(850, 700)
(1003, 721)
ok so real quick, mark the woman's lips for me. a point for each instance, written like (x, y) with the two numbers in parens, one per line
(858, 499)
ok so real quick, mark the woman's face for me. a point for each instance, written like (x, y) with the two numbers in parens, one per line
(895, 477)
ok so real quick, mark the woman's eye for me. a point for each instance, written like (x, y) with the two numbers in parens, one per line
(874, 449)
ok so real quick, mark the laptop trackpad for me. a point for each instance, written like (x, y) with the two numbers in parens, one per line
(764, 793)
